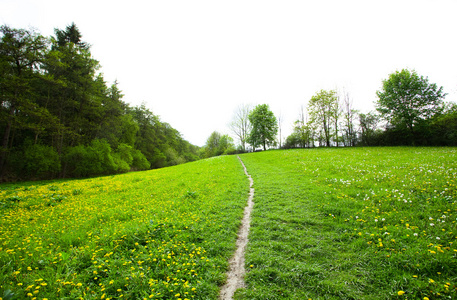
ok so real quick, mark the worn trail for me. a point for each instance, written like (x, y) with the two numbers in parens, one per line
(235, 275)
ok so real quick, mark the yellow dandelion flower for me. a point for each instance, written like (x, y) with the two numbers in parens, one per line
(400, 293)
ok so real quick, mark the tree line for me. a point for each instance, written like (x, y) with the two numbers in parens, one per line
(59, 118)
(409, 111)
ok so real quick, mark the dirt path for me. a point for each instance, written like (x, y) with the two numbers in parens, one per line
(235, 276)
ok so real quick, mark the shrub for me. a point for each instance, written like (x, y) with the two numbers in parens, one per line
(139, 161)
(92, 160)
(37, 162)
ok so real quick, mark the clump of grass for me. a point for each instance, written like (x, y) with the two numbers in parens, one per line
(359, 223)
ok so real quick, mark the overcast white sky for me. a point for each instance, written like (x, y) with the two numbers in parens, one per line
(194, 62)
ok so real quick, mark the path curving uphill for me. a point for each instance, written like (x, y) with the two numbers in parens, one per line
(235, 275)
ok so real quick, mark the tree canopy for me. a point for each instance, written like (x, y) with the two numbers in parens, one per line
(218, 144)
(264, 127)
(323, 111)
(406, 99)
(59, 118)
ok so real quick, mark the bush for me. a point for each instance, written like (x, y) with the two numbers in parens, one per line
(125, 153)
(95, 159)
(121, 165)
(139, 161)
(78, 162)
(36, 162)
(98, 159)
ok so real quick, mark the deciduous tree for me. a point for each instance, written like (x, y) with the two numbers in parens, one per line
(240, 125)
(407, 98)
(368, 125)
(323, 110)
(349, 115)
(264, 127)
(21, 51)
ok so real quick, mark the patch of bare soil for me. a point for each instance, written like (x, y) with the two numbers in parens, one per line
(235, 275)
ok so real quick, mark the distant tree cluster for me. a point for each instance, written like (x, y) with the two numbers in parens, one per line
(218, 144)
(409, 111)
(59, 118)
(257, 127)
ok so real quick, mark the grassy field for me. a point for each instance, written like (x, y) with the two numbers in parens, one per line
(359, 223)
(363, 223)
(162, 234)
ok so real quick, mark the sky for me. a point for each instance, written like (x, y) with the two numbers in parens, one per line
(194, 63)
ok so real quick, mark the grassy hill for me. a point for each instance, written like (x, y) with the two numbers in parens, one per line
(161, 234)
(356, 223)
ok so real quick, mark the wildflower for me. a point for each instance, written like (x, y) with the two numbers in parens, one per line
(400, 293)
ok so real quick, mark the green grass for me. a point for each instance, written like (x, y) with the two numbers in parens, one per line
(162, 234)
(356, 223)
(363, 223)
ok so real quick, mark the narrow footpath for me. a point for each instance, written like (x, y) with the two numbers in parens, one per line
(235, 275)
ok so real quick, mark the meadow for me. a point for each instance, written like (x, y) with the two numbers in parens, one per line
(355, 223)
(358, 223)
(160, 234)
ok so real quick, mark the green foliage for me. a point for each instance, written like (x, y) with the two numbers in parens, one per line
(21, 51)
(323, 111)
(92, 160)
(443, 127)
(34, 161)
(368, 125)
(40, 161)
(125, 153)
(218, 144)
(99, 159)
(53, 94)
(300, 137)
(406, 99)
(264, 127)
